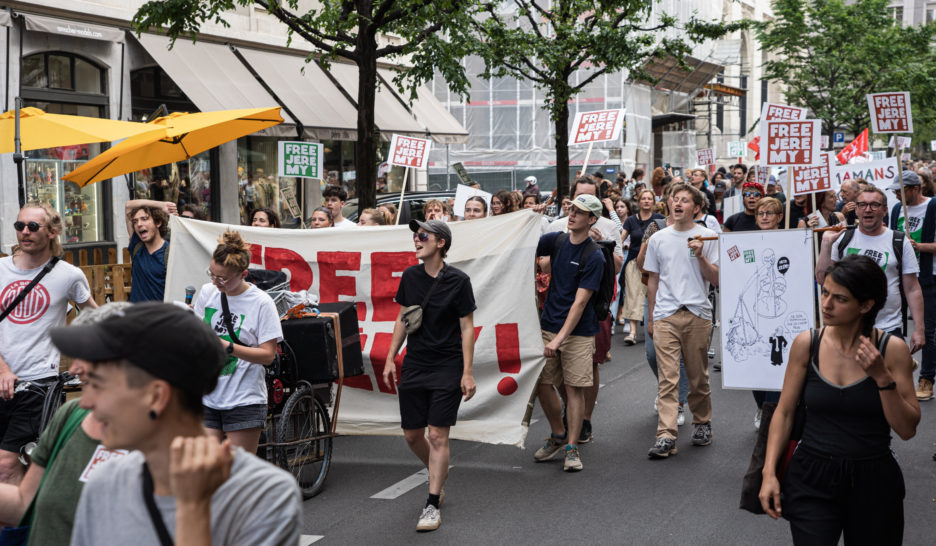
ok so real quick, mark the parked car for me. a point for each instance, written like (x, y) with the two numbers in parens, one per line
(412, 204)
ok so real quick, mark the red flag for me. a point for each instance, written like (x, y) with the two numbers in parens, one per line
(856, 148)
(754, 145)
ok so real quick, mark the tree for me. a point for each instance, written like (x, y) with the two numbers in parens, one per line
(430, 36)
(830, 54)
(547, 42)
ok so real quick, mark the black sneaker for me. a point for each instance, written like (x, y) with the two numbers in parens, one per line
(663, 448)
(702, 434)
(586, 435)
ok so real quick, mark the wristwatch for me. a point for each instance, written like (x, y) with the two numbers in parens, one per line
(230, 348)
(889, 387)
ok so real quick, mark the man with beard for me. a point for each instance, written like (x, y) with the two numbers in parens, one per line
(26, 352)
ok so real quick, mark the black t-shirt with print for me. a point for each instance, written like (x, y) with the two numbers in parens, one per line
(741, 221)
(437, 344)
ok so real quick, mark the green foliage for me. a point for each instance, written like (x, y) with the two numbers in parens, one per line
(830, 54)
(548, 44)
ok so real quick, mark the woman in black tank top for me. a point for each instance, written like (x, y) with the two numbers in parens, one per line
(857, 385)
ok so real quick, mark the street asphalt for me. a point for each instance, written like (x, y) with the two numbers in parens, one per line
(499, 495)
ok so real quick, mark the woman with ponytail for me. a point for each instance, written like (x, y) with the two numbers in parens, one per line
(248, 327)
(856, 382)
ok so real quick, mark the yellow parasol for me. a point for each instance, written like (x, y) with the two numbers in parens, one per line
(179, 136)
(41, 130)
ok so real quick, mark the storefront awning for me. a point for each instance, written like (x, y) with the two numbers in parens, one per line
(212, 77)
(442, 126)
(390, 115)
(304, 88)
(74, 29)
(671, 76)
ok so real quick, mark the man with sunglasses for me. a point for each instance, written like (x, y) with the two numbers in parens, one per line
(148, 227)
(26, 351)
(873, 239)
(752, 192)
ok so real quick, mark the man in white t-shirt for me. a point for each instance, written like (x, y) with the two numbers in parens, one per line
(681, 267)
(876, 241)
(26, 352)
(333, 198)
(603, 229)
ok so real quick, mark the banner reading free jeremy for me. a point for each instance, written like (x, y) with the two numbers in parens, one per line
(890, 112)
(300, 159)
(364, 265)
(409, 151)
(598, 126)
(792, 142)
(813, 178)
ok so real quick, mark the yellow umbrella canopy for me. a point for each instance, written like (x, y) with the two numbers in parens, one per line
(180, 136)
(41, 130)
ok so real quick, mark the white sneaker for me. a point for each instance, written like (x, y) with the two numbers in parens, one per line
(681, 420)
(656, 402)
(430, 519)
(757, 419)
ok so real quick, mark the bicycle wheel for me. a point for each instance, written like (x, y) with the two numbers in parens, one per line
(304, 423)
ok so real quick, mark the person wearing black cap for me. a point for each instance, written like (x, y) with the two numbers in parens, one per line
(437, 369)
(148, 368)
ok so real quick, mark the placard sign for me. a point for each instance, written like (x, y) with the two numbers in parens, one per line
(301, 159)
(825, 141)
(705, 156)
(793, 142)
(777, 112)
(461, 172)
(902, 141)
(409, 151)
(890, 112)
(463, 193)
(736, 148)
(814, 178)
(597, 126)
(763, 175)
(933, 145)
(880, 173)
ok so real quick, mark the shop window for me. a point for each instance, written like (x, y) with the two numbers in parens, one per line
(259, 185)
(63, 83)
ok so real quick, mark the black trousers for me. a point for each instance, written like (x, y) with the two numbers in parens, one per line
(824, 497)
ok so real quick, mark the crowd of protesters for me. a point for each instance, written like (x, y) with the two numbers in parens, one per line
(178, 398)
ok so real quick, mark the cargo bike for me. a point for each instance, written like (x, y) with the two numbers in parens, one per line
(321, 346)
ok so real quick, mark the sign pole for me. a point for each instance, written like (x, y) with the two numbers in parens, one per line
(789, 175)
(402, 193)
(903, 197)
(585, 163)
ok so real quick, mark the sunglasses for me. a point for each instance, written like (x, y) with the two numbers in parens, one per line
(752, 194)
(422, 236)
(33, 226)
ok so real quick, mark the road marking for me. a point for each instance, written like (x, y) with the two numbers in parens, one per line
(305, 540)
(403, 486)
(601, 385)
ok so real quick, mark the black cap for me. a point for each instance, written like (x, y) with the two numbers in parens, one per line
(165, 340)
(437, 227)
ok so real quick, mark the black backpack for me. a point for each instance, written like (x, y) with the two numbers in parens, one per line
(601, 299)
(898, 244)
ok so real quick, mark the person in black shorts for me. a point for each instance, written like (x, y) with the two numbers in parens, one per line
(436, 370)
(857, 385)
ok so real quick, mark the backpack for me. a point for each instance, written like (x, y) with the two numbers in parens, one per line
(898, 244)
(601, 299)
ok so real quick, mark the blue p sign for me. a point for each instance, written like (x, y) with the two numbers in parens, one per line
(838, 137)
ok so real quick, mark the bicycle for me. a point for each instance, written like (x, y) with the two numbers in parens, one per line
(53, 392)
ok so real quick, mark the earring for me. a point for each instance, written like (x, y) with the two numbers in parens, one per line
(152, 415)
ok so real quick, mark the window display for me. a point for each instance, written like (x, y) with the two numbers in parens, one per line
(261, 187)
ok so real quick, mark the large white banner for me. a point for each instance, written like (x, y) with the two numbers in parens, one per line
(881, 173)
(364, 265)
(766, 283)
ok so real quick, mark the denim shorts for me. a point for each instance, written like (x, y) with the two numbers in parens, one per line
(239, 418)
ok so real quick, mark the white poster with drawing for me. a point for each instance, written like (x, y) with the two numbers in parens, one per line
(767, 298)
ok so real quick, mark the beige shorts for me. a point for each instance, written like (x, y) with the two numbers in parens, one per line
(573, 366)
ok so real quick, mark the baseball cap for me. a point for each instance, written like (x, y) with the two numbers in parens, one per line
(910, 178)
(772, 181)
(530, 180)
(167, 341)
(437, 227)
(588, 203)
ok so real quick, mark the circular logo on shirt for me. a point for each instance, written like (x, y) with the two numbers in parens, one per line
(31, 308)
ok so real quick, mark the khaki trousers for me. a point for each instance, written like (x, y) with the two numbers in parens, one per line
(688, 335)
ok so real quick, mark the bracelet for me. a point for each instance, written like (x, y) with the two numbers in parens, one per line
(889, 387)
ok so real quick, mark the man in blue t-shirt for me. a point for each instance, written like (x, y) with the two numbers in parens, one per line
(569, 326)
(148, 224)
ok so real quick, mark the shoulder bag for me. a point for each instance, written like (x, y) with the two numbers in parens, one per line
(412, 315)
